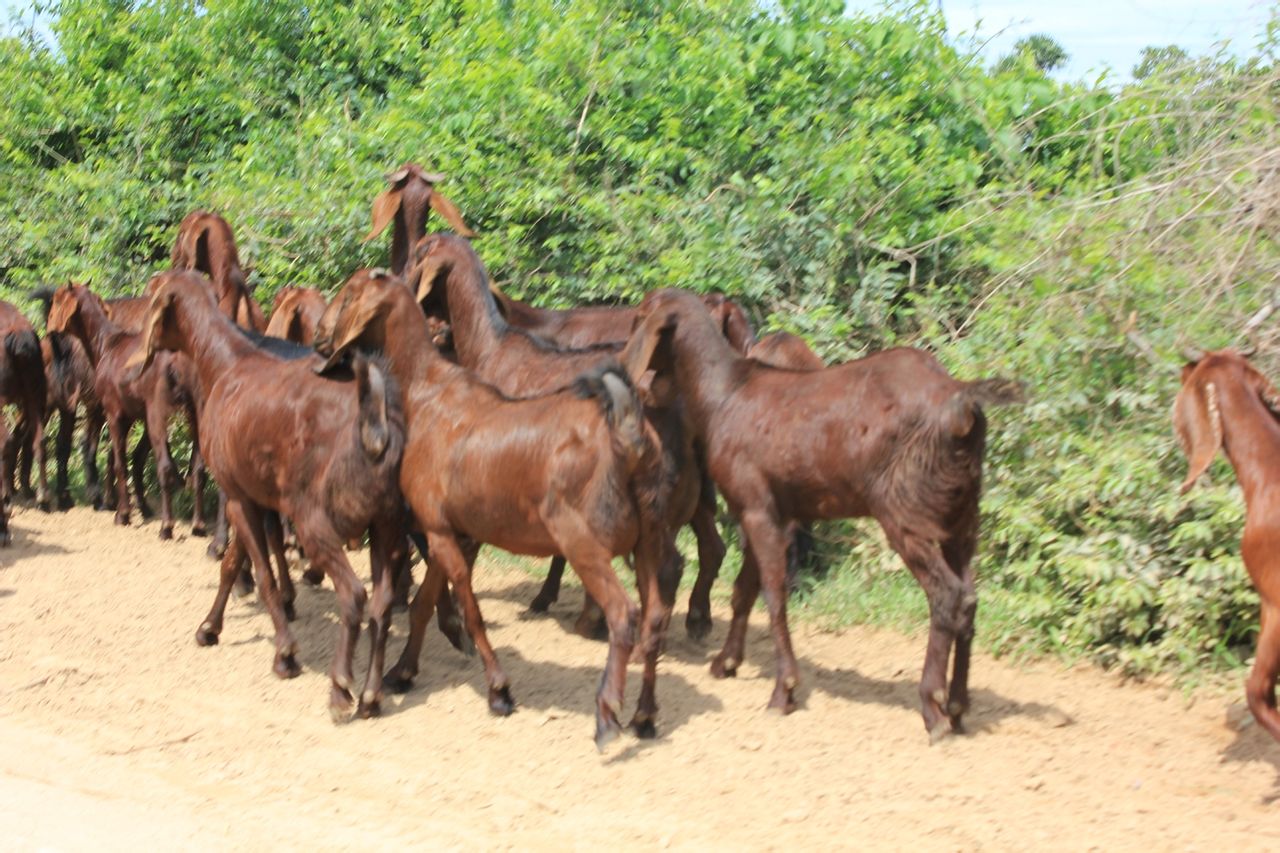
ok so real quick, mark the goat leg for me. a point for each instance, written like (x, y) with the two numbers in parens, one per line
(1260, 689)
(62, 455)
(769, 545)
(247, 519)
(711, 552)
(232, 563)
(386, 550)
(550, 591)
(746, 589)
(324, 549)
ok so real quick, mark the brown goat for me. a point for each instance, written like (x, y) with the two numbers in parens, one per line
(409, 194)
(567, 473)
(324, 452)
(1226, 404)
(607, 324)
(450, 278)
(295, 313)
(151, 397)
(785, 350)
(69, 376)
(22, 382)
(892, 436)
(205, 243)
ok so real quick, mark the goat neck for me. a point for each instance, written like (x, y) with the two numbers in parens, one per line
(94, 328)
(707, 366)
(477, 326)
(1250, 434)
(212, 341)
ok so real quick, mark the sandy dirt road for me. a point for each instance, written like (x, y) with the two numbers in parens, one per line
(116, 730)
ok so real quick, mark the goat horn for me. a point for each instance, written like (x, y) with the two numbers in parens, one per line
(1192, 354)
(1248, 352)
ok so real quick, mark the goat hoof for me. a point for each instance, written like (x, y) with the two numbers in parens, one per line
(216, 549)
(369, 708)
(166, 533)
(198, 529)
(591, 628)
(540, 603)
(940, 731)
(697, 625)
(782, 701)
(313, 576)
(65, 502)
(723, 667)
(122, 519)
(500, 702)
(607, 731)
(286, 666)
(644, 729)
(290, 614)
(459, 639)
(340, 705)
(397, 681)
(144, 510)
(206, 636)
(45, 504)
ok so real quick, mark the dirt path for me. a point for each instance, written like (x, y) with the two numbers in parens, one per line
(116, 729)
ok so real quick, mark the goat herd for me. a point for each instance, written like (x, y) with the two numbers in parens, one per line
(422, 405)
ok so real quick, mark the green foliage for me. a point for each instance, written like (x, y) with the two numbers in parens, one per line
(860, 180)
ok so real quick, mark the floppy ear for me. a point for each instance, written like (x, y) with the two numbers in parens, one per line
(157, 315)
(349, 323)
(1198, 424)
(649, 359)
(450, 212)
(284, 317)
(384, 210)
(431, 268)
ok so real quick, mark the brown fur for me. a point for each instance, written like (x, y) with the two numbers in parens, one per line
(409, 197)
(22, 382)
(323, 452)
(69, 376)
(450, 277)
(880, 437)
(205, 243)
(1226, 404)
(126, 397)
(565, 473)
(295, 314)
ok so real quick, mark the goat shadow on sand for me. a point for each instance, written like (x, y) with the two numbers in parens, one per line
(1254, 745)
(536, 685)
(25, 543)
(988, 709)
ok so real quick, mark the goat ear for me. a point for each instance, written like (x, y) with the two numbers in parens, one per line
(146, 351)
(350, 322)
(1198, 424)
(431, 268)
(649, 359)
(450, 212)
(384, 210)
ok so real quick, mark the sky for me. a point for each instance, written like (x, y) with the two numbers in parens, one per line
(1096, 33)
(1106, 33)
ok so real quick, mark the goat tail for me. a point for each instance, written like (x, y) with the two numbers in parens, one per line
(24, 364)
(377, 422)
(23, 347)
(972, 396)
(612, 388)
